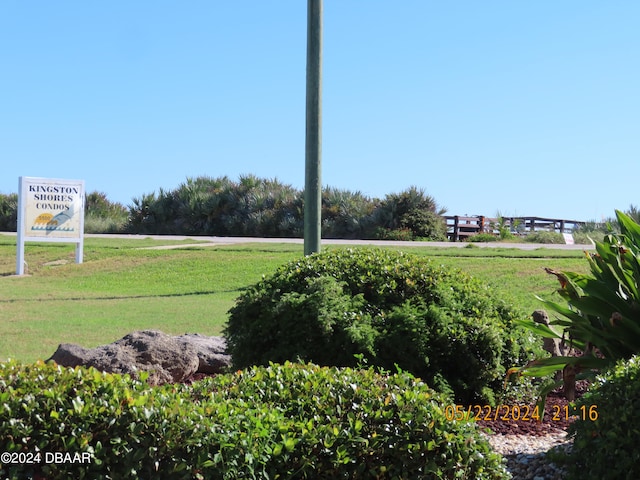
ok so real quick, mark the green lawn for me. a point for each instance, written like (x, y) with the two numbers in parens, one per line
(122, 287)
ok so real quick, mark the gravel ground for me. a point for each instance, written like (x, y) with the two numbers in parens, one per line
(525, 444)
(526, 455)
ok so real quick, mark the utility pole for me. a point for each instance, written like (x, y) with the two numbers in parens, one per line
(313, 150)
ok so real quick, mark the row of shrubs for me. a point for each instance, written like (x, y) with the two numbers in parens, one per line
(290, 421)
(255, 206)
(544, 237)
(584, 234)
(279, 421)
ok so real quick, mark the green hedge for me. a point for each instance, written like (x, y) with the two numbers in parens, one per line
(606, 439)
(393, 308)
(8, 212)
(281, 421)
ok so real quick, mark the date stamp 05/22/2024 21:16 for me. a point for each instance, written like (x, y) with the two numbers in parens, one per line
(513, 413)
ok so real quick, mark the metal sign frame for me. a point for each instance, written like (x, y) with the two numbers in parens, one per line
(50, 210)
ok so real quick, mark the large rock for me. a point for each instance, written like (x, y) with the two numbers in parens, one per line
(166, 358)
(211, 351)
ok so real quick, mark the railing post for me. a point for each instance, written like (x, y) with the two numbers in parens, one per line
(456, 222)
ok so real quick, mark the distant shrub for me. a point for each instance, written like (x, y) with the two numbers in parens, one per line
(8, 212)
(281, 421)
(393, 308)
(482, 237)
(581, 238)
(411, 210)
(345, 214)
(401, 234)
(425, 224)
(97, 224)
(544, 237)
(103, 215)
(589, 232)
(605, 443)
(97, 203)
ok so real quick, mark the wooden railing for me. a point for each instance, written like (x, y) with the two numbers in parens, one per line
(459, 228)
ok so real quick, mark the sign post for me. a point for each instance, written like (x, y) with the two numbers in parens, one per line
(50, 210)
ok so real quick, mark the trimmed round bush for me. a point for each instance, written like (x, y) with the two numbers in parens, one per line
(606, 440)
(388, 308)
(282, 421)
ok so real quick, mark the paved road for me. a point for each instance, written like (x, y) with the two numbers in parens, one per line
(328, 241)
(392, 243)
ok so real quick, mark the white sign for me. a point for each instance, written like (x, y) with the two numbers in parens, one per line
(50, 210)
(568, 238)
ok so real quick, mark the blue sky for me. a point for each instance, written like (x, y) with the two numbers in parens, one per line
(529, 108)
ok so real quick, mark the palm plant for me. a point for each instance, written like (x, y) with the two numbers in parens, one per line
(345, 213)
(140, 217)
(255, 206)
(602, 316)
(634, 213)
(412, 210)
(102, 215)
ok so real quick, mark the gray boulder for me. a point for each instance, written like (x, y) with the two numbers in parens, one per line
(168, 359)
(211, 351)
